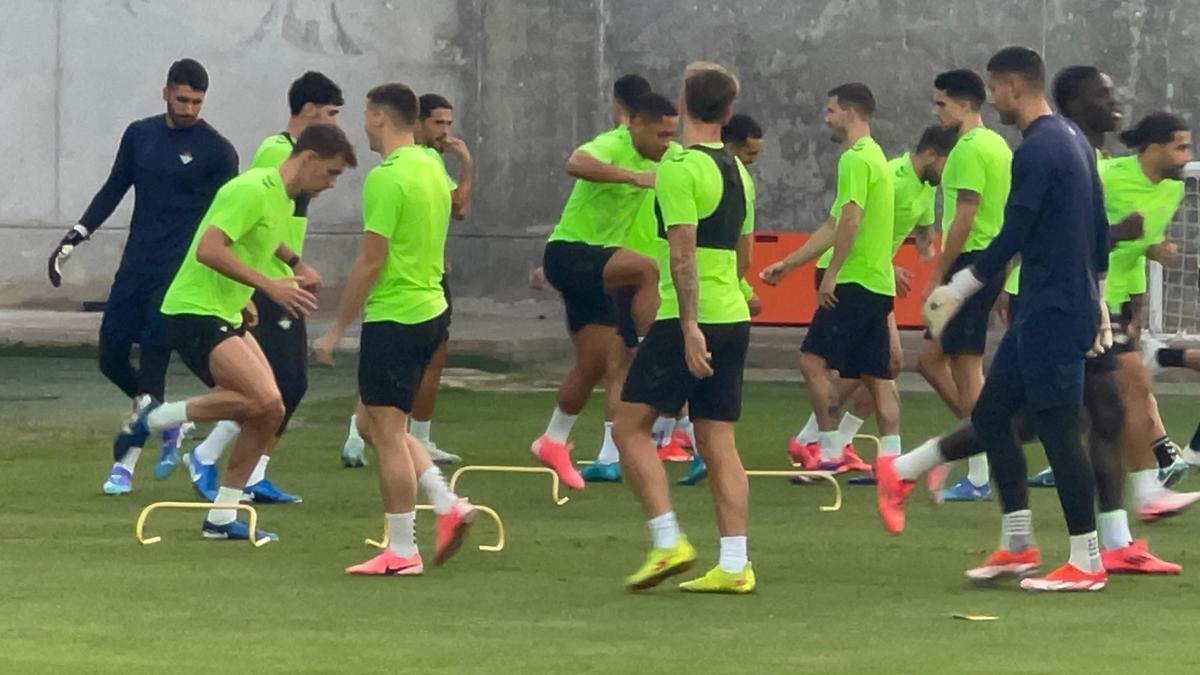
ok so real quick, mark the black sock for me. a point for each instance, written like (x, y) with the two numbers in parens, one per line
(1170, 357)
(1164, 452)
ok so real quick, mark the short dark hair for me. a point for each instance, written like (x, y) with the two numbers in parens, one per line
(653, 106)
(189, 72)
(1020, 61)
(709, 92)
(313, 87)
(1156, 127)
(327, 141)
(940, 141)
(739, 128)
(399, 100)
(855, 95)
(629, 88)
(431, 102)
(1069, 82)
(962, 85)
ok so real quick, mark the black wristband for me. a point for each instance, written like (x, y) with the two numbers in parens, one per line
(293, 261)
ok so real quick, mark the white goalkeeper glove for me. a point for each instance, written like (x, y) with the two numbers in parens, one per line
(945, 300)
(74, 237)
(1104, 332)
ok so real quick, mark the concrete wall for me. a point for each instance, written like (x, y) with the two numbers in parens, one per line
(528, 78)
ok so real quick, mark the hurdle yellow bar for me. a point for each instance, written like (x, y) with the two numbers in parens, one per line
(873, 439)
(826, 476)
(492, 548)
(512, 469)
(139, 528)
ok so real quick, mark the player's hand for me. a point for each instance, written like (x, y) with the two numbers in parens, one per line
(323, 346)
(294, 300)
(1130, 228)
(774, 273)
(903, 281)
(755, 305)
(309, 278)
(537, 279)
(250, 315)
(1104, 333)
(941, 306)
(644, 180)
(457, 147)
(74, 237)
(1166, 252)
(825, 292)
(926, 252)
(695, 352)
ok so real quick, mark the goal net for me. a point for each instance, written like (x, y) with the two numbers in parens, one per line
(1174, 297)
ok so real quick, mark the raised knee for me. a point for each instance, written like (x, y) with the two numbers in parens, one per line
(267, 407)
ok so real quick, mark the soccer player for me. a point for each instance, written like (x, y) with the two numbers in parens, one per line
(849, 331)
(207, 308)
(975, 184)
(398, 275)
(312, 99)
(695, 351)
(915, 177)
(743, 137)
(585, 261)
(1055, 219)
(175, 163)
(435, 136)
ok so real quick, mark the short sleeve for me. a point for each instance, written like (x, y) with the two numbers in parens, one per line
(854, 175)
(750, 194)
(929, 198)
(382, 198)
(236, 208)
(965, 169)
(271, 153)
(674, 189)
(603, 147)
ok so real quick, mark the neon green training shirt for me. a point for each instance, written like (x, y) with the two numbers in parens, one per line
(601, 214)
(406, 201)
(643, 234)
(866, 178)
(1127, 189)
(981, 162)
(688, 189)
(254, 211)
(441, 160)
(914, 204)
(270, 154)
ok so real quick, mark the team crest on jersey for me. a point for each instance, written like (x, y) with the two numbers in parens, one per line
(185, 157)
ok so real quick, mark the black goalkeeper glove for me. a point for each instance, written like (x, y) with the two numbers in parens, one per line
(75, 236)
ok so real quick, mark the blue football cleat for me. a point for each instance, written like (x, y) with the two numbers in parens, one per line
(236, 530)
(602, 473)
(135, 432)
(697, 472)
(168, 457)
(266, 492)
(1043, 478)
(204, 477)
(966, 491)
(120, 481)
(1171, 475)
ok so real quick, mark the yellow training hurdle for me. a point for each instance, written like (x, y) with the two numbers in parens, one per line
(139, 528)
(554, 482)
(492, 548)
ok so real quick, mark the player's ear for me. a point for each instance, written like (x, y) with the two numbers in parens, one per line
(166, 95)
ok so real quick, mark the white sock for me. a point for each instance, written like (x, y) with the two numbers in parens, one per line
(1146, 487)
(830, 450)
(354, 428)
(1114, 529)
(809, 433)
(559, 429)
(402, 537)
(419, 430)
(1016, 531)
(209, 451)
(661, 431)
(1085, 552)
(733, 554)
(434, 485)
(260, 470)
(166, 416)
(608, 449)
(130, 460)
(664, 530)
(226, 496)
(685, 424)
(1190, 456)
(912, 465)
(889, 446)
(977, 470)
(847, 428)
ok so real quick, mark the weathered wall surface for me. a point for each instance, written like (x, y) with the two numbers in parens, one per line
(529, 81)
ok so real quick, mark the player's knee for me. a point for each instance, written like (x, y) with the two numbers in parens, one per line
(896, 363)
(626, 432)
(267, 406)
(927, 364)
(811, 366)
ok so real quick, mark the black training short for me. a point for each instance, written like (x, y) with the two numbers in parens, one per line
(818, 277)
(195, 336)
(659, 376)
(284, 341)
(576, 270)
(623, 307)
(131, 313)
(853, 336)
(966, 333)
(392, 359)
